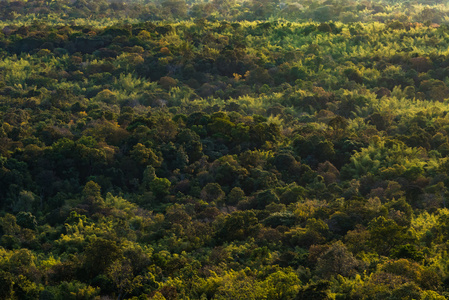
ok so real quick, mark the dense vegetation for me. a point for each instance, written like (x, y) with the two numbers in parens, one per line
(224, 150)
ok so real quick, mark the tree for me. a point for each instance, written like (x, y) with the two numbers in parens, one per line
(145, 156)
(9, 224)
(239, 226)
(160, 187)
(122, 275)
(212, 192)
(92, 195)
(26, 220)
(235, 196)
(263, 198)
(234, 285)
(315, 291)
(385, 234)
(6, 285)
(282, 284)
(25, 202)
(174, 8)
(25, 288)
(337, 260)
(99, 254)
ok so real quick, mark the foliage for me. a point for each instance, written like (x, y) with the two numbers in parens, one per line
(224, 149)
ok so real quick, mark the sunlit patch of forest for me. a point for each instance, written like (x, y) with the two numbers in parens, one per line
(224, 150)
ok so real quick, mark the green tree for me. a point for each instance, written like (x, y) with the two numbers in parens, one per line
(122, 276)
(282, 285)
(212, 192)
(92, 194)
(6, 285)
(160, 187)
(315, 291)
(26, 220)
(337, 260)
(99, 254)
(239, 226)
(385, 234)
(145, 156)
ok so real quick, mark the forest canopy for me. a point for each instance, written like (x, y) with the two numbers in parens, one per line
(224, 150)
